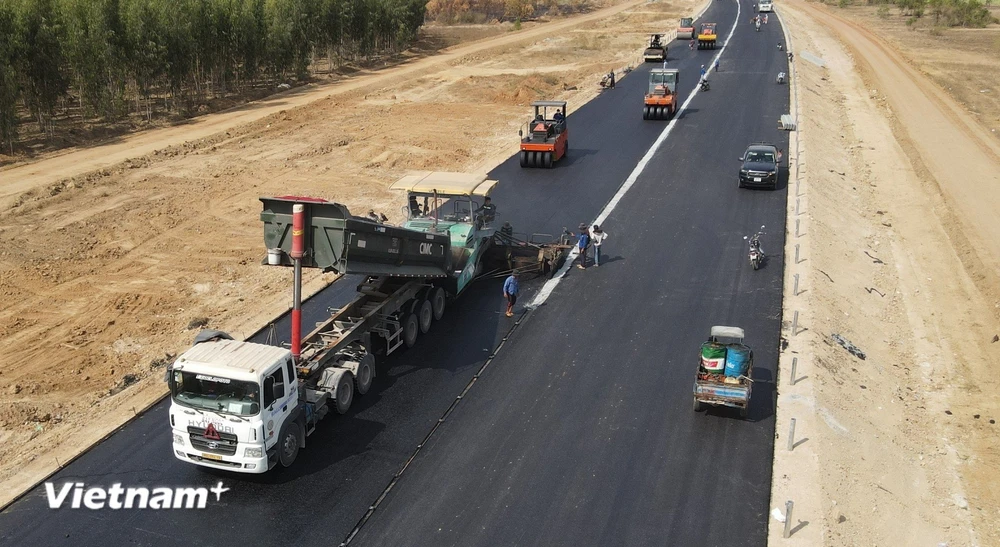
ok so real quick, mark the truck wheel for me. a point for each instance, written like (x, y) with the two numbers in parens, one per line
(366, 373)
(289, 449)
(697, 405)
(345, 393)
(410, 329)
(744, 411)
(425, 315)
(438, 302)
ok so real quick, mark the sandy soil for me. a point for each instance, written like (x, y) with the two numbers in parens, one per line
(111, 257)
(897, 215)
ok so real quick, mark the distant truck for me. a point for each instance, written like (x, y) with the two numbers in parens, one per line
(686, 28)
(657, 50)
(765, 6)
(246, 407)
(707, 36)
(660, 102)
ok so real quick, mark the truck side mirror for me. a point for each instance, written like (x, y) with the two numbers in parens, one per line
(520, 132)
(167, 373)
(279, 391)
(741, 158)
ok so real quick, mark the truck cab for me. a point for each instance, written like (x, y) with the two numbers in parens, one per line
(231, 404)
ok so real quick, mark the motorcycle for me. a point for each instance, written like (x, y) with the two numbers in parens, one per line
(703, 85)
(780, 47)
(756, 25)
(756, 254)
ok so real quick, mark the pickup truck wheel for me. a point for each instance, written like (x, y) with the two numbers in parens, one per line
(366, 373)
(697, 405)
(289, 449)
(410, 329)
(345, 393)
(438, 301)
(425, 316)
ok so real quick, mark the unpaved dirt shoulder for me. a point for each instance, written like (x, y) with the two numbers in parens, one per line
(892, 448)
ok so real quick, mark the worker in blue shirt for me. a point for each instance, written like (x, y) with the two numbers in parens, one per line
(510, 290)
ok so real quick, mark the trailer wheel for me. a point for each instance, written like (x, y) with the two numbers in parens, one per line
(345, 393)
(289, 449)
(366, 373)
(697, 405)
(438, 302)
(410, 329)
(425, 316)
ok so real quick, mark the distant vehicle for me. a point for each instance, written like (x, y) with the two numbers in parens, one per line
(725, 372)
(760, 166)
(707, 36)
(660, 102)
(766, 6)
(657, 50)
(686, 28)
(547, 138)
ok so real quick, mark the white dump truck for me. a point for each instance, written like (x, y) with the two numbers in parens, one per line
(246, 407)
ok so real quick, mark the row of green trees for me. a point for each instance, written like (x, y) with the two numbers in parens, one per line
(948, 13)
(117, 56)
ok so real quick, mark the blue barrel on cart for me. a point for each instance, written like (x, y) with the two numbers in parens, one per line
(737, 360)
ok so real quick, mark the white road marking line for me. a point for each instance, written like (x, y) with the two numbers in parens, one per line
(551, 284)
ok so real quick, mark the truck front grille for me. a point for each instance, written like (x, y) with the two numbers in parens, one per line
(225, 445)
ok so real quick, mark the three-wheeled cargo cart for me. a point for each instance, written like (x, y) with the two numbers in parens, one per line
(726, 382)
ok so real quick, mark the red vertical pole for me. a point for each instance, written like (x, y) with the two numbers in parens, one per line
(298, 245)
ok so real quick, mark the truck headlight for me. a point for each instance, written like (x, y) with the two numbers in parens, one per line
(253, 452)
(178, 438)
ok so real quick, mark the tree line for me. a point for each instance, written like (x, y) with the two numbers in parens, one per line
(113, 57)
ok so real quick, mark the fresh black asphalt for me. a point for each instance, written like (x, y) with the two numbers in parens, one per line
(581, 431)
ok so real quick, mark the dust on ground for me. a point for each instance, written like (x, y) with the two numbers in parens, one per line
(106, 275)
(896, 445)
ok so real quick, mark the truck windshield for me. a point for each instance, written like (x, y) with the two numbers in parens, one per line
(205, 392)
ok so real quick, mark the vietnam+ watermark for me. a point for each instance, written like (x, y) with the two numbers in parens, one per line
(76, 495)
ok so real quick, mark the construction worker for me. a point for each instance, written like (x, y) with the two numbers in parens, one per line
(488, 212)
(581, 246)
(510, 290)
(611, 76)
(704, 73)
(597, 237)
(507, 232)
